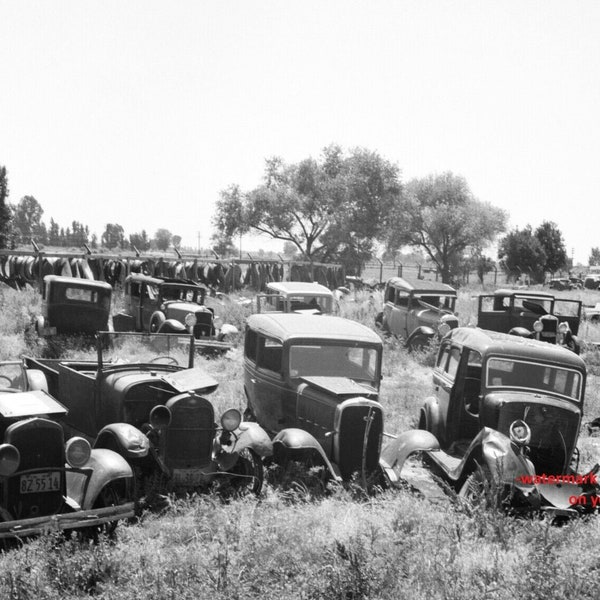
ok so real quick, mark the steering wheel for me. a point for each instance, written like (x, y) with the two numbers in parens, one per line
(5, 378)
(165, 360)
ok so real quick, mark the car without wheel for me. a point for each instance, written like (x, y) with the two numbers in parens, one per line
(296, 297)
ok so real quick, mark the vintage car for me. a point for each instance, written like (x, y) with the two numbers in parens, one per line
(156, 416)
(71, 305)
(592, 313)
(506, 414)
(47, 482)
(163, 305)
(297, 297)
(537, 315)
(560, 284)
(417, 311)
(313, 384)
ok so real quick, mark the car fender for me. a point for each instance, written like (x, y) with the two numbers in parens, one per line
(36, 380)
(125, 439)
(430, 412)
(423, 330)
(398, 449)
(172, 326)
(296, 444)
(520, 331)
(106, 466)
(252, 435)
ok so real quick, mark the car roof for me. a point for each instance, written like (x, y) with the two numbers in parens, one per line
(528, 293)
(299, 287)
(290, 325)
(422, 285)
(163, 280)
(493, 342)
(78, 282)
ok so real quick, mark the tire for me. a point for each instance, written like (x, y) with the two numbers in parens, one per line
(109, 496)
(249, 473)
(479, 489)
(419, 343)
(156, 322)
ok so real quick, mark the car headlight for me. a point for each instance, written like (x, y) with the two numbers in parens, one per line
(538, 327)
(443, 329)
(563, 327)
(190, 319)
(231, 419)
(520, 433)
(9, 459)
(78, 452)
(160, 417)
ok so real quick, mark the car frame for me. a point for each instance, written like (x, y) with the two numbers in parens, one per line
(532, 314)
(418, 311)
(72, 305)
(48, 482)
(156, 416)
(296, 297)
(168, 305)
(506, 415)
(313, 384)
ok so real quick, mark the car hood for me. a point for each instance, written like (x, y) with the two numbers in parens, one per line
(178, 306)
(191, 380)
(342, 387)
(29, 404)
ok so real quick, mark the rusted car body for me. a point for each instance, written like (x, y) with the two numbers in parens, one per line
(537, 315)
(507, 413)
(46, 481)
(71, 305)
(417, 311)
(297, 297)
(164, 305)
(313, 384)
(156, 416)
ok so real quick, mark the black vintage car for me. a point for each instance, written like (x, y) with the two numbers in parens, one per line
(46, 481)
(313, 384)
(507, 413)
(536, 315)
(156, 415)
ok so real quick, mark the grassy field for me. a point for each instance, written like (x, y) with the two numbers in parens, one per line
(296, 543)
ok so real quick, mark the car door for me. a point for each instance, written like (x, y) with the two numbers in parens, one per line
(444, 375)
(399, 314)
(493, 313)
(569, 311)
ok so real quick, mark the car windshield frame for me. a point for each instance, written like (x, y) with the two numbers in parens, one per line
(533, 376)
(325, 359)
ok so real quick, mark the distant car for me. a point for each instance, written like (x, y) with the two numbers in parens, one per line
(71, 305)
(47, 481)
(506, 415)
(417, 311)
(560, 284)
(592, 313)
(155, 415)
(296, 297)
(536, 315)
(163, 305)
(313, 384)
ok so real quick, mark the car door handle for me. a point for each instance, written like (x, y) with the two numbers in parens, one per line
(252, 380)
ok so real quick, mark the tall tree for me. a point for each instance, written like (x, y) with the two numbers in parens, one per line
(162, 238)
(27, 218)
(551, 239)
(522, 252)
(140, 240)
(5, 212)
(113, 236)
(328, 209)
(594, 258)
(439, 214)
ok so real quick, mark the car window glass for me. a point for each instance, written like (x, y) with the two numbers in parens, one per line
(390, 294)
(538, 306)
(453, 362)
(80, 295)
(270, 353)
(151, 292)
(443, 356)
(402, 298)
(565, 308)
(135, 289)
(250, 345)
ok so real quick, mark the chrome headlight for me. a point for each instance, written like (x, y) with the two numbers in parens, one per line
(443, 329)
(538, 327)
(190, 319)
(563, 327)
(231, 419)
(520, 433)
(9, 459)
(160, 417)
(78, 452)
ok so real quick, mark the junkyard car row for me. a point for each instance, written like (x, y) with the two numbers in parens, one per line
(85, 441)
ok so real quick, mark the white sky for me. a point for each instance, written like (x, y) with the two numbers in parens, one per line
(140, 112)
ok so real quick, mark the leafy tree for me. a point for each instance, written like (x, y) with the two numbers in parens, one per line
(222, 244)
(5, 212)
(521, 251)
(162, 238)
(113, 236)
(140, 240)
(27, 218)
(54, 233)
(439, 214)
(176, 240)
(329, 209)
(552, 242)
(594, 257)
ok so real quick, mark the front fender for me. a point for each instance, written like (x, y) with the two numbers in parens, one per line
(297, 444)
(396, 451)
(423, 330)
(520, 331)
(106, 466)
(124, 439)
(253, 436)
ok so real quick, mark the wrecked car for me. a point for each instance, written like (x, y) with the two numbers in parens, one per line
(506, 415)
(48, 482)
(156, 415)
(417, 311)
(536, 315)
(313, 384)
(73, 306)
(165, 305)
(297, 297)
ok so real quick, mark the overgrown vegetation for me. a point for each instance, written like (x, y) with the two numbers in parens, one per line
(295, 544)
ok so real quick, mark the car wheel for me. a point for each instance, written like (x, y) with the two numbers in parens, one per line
(156, 321)
(419, 343)
(249, 473)
(108, 496)
(479, 489)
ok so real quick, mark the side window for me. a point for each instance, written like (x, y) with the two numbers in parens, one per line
(134, 288)
(390, 294)
(453, 362)
(270, 353)
(402, 299)
(250, 345)
(442, 360)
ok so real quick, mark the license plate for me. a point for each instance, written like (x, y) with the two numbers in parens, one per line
(40, 482)
(188, 477)
(48, 331)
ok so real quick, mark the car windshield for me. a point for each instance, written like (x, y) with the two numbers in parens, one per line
(310, 302)
(11, 377)
(538, 377)
(183, 294)
(439, 301)
(540, 306)
(355, 362)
